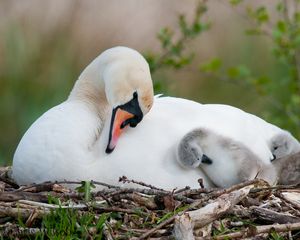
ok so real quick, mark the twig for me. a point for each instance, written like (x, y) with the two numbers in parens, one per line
(15, 196)
(9, 182)
(117, 209)
(137, 190)
(124, 179)
(195, 204)
(53, 206)
(268, 215)
(20, 212)
(235, 187)
(278, 187)
(159, 226)
(218, 208)
(45, 186)
(252, 231)
(293, 203)
(12, 230)
(183, 228)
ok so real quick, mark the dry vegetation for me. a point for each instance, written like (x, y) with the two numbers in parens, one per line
(251, 210)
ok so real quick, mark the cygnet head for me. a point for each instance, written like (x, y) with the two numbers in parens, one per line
(225, 161)
(283, 144)
(121, 76)
(189, 152)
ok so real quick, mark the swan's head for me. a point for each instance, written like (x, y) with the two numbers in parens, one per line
(128, 88)
(283, 144)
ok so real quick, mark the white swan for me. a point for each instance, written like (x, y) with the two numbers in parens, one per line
(224, 160)
(72, 140)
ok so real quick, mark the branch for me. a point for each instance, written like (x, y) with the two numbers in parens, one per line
(252, 231)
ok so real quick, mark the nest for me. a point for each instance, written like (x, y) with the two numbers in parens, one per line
(251, 210)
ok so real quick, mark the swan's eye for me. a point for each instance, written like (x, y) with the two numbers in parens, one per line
(274, 148)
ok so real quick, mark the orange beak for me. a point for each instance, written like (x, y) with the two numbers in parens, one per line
(117, 126)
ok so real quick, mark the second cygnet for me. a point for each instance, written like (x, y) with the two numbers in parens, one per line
(283, 144)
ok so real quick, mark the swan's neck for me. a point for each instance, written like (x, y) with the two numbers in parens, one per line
(90, 89)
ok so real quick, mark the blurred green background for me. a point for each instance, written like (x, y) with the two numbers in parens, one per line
(45, 45)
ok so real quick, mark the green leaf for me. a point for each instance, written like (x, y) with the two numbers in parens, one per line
(262, 14)
(297, 40)
(235, 2)
(280, 7)
(86, 187)
(165, 36)
(281, 26)
(240, 71)
(262, 80)
(243, 71)
(212, 66)
(297, 17)
(295, 99)
(277, 34)
(253, 31)
(183, 25)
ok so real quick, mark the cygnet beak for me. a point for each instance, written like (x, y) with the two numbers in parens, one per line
(274, 157)
(206, 160)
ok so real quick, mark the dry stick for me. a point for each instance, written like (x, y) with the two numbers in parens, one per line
(53, 206)
(195, 191)
(141, 200)
(235, 187)
(175, 191)
(183, 227)
(195, 204)
(179, 197)
(252, 231)
(9, 182)
(280, 195)
(117, 209)
(268, 215)
(184, 224)
(277, 187)
(20, 212)
(159, 226)
(135, 190)
(16, 231)
(13, 196)
(105, 198)
(50, 184)
(124, 179)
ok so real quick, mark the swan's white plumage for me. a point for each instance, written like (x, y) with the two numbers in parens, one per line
(144, 153)
(69, 140)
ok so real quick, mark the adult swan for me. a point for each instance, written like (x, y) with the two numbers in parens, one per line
(77, 140)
